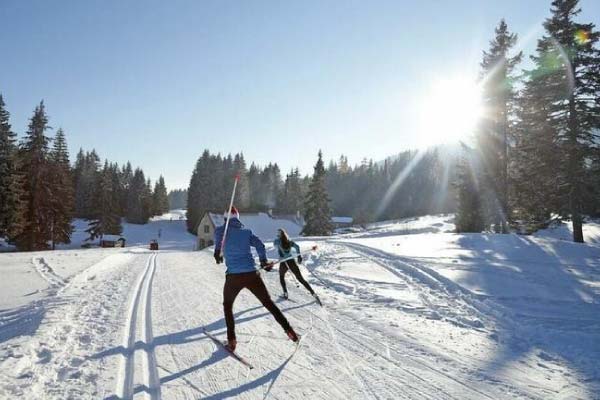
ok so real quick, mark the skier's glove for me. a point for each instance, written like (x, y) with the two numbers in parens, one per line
(218, 257)
(299, 259)
(267, 266)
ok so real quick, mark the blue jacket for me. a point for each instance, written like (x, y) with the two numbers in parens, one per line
(283, 253)
(238, 257)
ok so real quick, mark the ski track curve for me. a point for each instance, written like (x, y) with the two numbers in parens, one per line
(413, 364)
(47, 273)
(452, 293)
(140, 309)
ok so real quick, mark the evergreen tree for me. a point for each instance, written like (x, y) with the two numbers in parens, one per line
(469, 216)
(106, 220)
(11, 205)
(497, 126)
(87, 168)
(536, 160)
(243, 189)
(198, 195)
(255, 186)
(160, 200)
(567, 78)
(177, 199)
(125, 178)
(138, 199)
(318, 214)
(62, 194)
(292, 194)
(37, 186)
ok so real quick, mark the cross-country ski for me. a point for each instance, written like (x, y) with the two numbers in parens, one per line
(228, 349)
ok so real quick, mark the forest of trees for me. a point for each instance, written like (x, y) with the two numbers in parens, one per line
(41, 193)
(536, 156)
(177, 199)
(353, 191)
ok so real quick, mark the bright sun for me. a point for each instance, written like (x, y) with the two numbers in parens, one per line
(449, 111)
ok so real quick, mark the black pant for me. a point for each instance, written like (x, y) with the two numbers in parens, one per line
(292, 266)
(234, 283)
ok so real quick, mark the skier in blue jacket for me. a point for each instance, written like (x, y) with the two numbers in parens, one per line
(242, 273)
(284, 245)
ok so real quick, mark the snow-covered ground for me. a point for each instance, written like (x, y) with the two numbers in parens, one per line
(411, 311)
(564, 231)
(169, 229)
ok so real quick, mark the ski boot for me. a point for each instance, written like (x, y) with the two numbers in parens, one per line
(230, 345)
(292, 335)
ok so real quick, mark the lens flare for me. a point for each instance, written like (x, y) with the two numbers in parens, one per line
(582, 37)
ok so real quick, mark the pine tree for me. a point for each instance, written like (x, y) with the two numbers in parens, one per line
(11, 205)
(536, 160)
(62, 195)
(469, 216)
(87, 168)
(207, 190)
(139, 199)
(105, 220)
(178, 199)
(147, 205)
(567, 76)
(318, 214)
(255, 187)
(125, 178)
(37, 186)
(496, 127)
(243, 188)
(292, 195)
(160, 200)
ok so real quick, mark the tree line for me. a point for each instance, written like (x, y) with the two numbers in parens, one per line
(259, 188)
(536, 153)
(41, 193)
(177, 199)
(355, 191)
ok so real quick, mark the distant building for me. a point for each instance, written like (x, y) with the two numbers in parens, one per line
(264, 225)
(341, 222)
(112, 241)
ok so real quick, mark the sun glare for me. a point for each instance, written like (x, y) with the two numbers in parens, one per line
(449, 111)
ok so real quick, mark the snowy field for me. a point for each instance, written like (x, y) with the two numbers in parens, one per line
(411, 311)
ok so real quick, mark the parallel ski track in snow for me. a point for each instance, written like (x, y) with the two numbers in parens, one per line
(140, 308)
(453, 293)
(47, 273)
(428, 279)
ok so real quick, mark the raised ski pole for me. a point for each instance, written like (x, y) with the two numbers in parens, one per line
(235, 182)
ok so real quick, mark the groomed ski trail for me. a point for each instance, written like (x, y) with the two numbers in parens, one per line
(139, 319)
(343, 356)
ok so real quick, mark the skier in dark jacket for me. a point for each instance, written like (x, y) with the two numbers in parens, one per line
(241, 273)
(284, 246)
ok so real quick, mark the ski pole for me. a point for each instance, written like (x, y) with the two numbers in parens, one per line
(235, 182)
(272, 263)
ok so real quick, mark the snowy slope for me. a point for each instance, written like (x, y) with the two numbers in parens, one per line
(171, 226)
(411, 312)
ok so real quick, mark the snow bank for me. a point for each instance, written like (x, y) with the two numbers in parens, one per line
(173, 215)
(564, 231)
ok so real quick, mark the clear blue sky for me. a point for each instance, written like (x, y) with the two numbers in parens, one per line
(156, 82)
